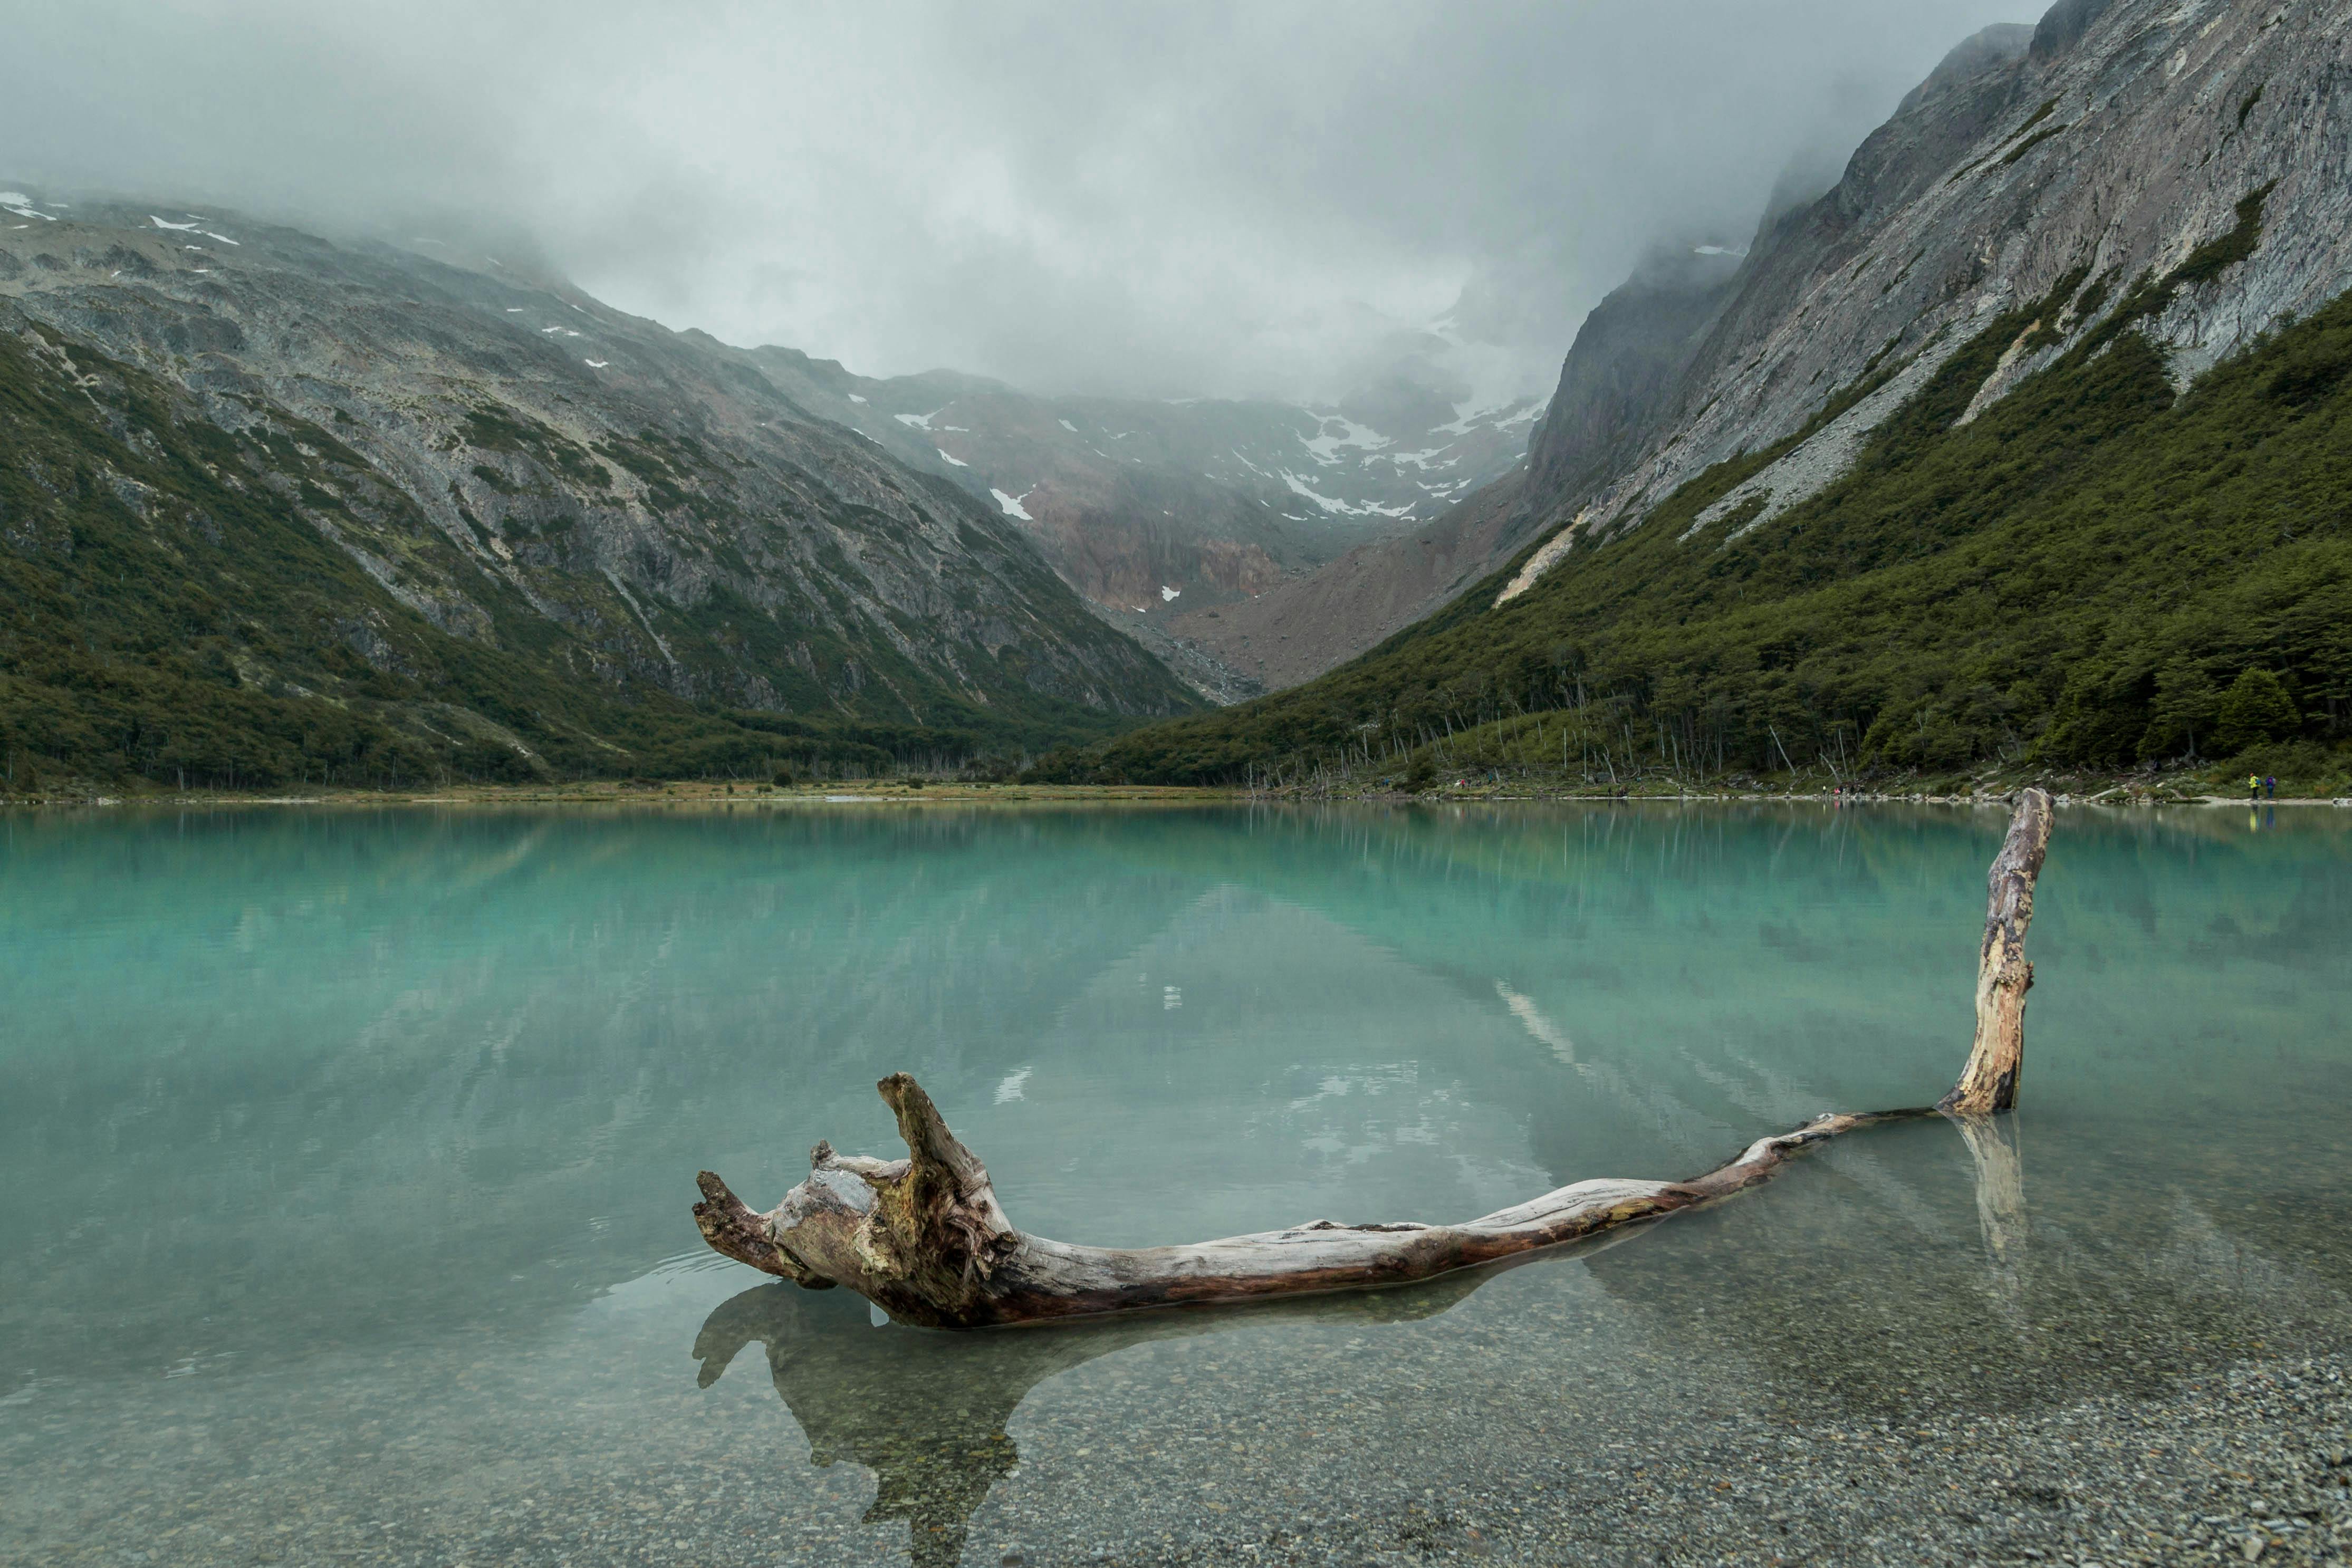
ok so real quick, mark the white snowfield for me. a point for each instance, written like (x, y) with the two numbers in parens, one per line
(1066, 424)
(950, 457)
(596, 364)
(1168, 594)
(1325, 445)
(1344, 509)
(919, 420)
(1466, 415)
(1422, 459)
(195, 226)
(1012, 504)
(855, 398)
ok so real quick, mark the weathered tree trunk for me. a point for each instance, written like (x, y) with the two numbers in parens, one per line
(1989, 1084)
(925, 1239)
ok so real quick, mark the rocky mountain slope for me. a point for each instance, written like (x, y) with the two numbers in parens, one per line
(2113, 139)
(1894, 491)
(1160, 511)
(1626, 361)
(2088, 139)
(632, 539)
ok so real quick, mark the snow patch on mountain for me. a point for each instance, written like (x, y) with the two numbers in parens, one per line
(1423, 460)
(1343, 508)
(1325, 446)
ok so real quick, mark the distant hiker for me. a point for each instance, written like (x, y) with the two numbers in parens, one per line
(2270, 786)
(2254, 787)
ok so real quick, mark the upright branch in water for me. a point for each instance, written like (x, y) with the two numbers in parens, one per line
(925, 1239)
(1988, 1083)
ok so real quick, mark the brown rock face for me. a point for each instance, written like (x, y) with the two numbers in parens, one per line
(1156, 510)
(1297, 629)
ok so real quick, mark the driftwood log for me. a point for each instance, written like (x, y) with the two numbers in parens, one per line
(925, 1239)
(1988, 1083)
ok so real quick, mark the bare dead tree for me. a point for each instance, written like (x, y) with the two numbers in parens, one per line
(925, 1239)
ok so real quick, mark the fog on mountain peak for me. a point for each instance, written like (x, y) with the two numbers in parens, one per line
(1300, 202)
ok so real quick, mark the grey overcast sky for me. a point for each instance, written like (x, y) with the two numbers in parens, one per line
(1169, 199)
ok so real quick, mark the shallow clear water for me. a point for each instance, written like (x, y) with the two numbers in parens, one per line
(347, 1155)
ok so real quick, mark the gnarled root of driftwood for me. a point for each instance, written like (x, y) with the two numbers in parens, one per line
(925, 1239)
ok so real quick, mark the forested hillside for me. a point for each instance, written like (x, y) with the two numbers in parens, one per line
(174, 612)
(274, 511)
(2022, 448)
(2093, 573)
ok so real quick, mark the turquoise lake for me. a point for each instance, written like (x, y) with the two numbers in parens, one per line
(348, 1155)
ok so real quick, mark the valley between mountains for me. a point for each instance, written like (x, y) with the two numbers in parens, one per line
(2022, 447)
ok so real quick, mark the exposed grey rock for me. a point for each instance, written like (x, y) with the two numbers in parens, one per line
(651, 494)
(2121, 137)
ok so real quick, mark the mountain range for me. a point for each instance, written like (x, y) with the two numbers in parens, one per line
(280, 509)
(2023, 444)
(1142, 503)
(2027, 444)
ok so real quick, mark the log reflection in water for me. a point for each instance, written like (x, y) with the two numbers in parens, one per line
(2000, 1193)
(928, 1411)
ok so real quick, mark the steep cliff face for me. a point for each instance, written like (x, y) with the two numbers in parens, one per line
(519, 468)
(2105, 146)
(1626, 367)
(2028, 443)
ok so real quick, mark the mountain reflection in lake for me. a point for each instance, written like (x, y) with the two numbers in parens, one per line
(348, 1157)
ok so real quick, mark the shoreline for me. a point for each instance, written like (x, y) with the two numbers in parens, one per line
(894, 792)
(847, 793)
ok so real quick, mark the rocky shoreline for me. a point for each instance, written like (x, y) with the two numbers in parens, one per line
(2253, 1464)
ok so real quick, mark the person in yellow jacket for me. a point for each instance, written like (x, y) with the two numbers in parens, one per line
(2254, 787)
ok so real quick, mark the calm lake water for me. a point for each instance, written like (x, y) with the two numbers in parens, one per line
(347, 1155)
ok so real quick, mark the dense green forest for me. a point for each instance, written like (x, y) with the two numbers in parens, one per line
(2094, 575)
(166, 615)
